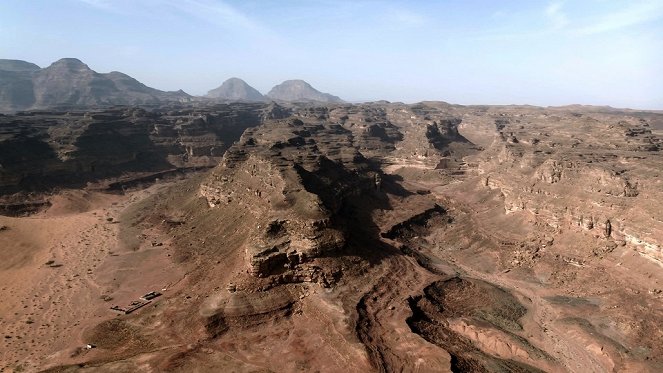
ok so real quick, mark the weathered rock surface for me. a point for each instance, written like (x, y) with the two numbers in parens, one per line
(281, 173)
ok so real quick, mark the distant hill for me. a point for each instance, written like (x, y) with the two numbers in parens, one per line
(299, 90)
(70, 82)
(17, 65)
(235, 89)
(16, 88)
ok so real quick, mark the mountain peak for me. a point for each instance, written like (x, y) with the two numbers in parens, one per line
(235, 89)
(296, 81)
(299, 90)
(70, 63)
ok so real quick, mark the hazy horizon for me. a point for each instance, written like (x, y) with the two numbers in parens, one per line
(546, 53)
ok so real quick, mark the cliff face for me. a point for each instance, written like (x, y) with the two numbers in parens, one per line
(39, 150)
(592, 173)
(281, 172)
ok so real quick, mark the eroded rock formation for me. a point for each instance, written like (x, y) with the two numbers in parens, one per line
(39, 150)
(578, 172)
(373, 237)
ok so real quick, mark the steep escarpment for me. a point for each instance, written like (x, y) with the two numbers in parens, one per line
(302, 179)
(40, 150)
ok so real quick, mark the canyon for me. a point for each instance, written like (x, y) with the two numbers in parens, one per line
(328, 236)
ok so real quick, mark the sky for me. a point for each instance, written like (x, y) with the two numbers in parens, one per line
(595, 52)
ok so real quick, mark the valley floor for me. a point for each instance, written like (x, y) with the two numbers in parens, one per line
(62, 269)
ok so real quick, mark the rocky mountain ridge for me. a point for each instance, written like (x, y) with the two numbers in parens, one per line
(69, 82)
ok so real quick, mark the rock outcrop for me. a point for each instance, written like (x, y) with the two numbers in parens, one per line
(304, 178)
(281, 173)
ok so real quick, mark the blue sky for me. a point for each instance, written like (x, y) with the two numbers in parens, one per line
(603, 52)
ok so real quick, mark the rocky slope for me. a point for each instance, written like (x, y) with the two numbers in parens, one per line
(235, 89)
(300, 91)
(281, 173)
(69, 82)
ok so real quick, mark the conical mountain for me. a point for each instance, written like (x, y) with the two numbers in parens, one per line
(235, 89)
(300, 91)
